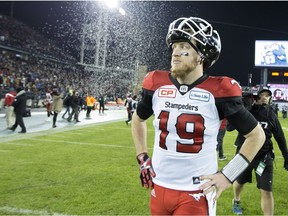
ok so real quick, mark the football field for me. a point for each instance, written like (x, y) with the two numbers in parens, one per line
(92, 170)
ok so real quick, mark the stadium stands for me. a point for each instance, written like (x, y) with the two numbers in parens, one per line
(31, 60)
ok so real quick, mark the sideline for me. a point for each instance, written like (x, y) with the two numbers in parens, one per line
(27, 211)
(37, 124)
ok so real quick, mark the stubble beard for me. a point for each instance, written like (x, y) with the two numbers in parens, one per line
(182, 72)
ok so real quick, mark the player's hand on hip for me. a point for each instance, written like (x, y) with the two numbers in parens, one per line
(146, 170)
(217, 181)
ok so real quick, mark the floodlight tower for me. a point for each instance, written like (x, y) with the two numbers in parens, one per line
(97, 34)
(101, 41)
(94, 47)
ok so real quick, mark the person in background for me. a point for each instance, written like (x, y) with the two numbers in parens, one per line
(19, 105)
(67, 104)
(9, 113)
(134, 104)
(262, 164)
(57, 105)
(275, 109)
(284, 111)
(75, 103)
(90, 101)
(220, 138)
(248, 101)
(116, 100)
(101, 101)
(188, 106)
(48, 104)
(133, 107)
(128, 105)
(82, 104)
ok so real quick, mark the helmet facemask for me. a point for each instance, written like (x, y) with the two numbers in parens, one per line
(208, 44)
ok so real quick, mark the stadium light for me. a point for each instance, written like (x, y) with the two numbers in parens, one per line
(111, 3)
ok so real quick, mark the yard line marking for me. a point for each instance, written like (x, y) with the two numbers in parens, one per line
(1, 150)
(104, 129)
(73, 131)
(55, 135)
(82, 143)
(93, 130)
(16, 143)
(88, 131)
(28, 211)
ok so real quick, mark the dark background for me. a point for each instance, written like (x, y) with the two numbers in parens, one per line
(238, 23)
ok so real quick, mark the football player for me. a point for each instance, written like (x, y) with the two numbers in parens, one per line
(188, 106)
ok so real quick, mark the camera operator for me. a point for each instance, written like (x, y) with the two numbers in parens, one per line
(263, 161)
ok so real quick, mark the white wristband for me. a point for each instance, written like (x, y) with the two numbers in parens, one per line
(235, 167)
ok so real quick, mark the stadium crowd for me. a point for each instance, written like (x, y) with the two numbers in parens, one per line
(30, 60)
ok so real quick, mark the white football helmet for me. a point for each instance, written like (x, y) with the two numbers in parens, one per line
(208, 43)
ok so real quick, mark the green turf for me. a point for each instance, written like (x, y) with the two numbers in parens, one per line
(93, 171)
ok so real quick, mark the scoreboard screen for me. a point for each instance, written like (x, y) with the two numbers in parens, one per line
(271, 53)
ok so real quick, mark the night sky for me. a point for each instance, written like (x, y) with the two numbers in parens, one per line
(238, 23)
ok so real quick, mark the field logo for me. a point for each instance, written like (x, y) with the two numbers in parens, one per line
(200, 96)
(167, 93)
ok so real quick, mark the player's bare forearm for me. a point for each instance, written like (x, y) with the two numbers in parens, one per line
(222, 180)
(253, 142)
(139, 133)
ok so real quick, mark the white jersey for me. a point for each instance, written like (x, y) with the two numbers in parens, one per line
(186, 126)
(49, 98)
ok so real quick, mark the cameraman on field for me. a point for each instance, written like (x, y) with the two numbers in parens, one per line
(263, 161)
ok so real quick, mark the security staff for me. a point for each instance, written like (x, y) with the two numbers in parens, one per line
(263, 161)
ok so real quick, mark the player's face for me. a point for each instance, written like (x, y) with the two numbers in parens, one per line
(184, 59)
(263, 98)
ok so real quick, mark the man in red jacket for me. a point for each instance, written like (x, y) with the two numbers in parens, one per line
(10, 115)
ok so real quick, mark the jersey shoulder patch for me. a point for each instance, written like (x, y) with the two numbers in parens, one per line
(222, 86)
(154, 79)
